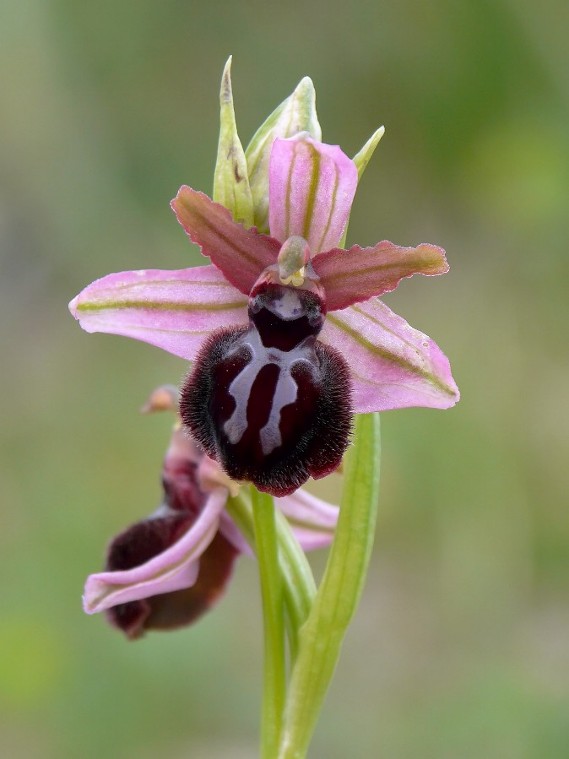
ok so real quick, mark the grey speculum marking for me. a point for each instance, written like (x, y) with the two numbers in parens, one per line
(285, 328)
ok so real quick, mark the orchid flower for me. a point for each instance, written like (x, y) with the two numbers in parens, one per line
(285, 329)
(168, 569)
(288, 341)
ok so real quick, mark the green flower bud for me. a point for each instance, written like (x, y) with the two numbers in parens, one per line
(296, 114)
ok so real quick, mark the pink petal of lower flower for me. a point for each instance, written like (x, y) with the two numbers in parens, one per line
(391, 364)
(173, 569)
(174, 310)
(241, 254)
(233, 535)
(311, 190)
(350, 276)
(168, 611)
(313, 520)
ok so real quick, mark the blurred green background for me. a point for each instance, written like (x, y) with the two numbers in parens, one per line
(461, 647)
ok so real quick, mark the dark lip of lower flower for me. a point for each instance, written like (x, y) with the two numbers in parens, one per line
(175, 608)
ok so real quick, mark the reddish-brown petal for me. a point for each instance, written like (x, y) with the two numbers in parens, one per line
(358, 274)
(241, 254)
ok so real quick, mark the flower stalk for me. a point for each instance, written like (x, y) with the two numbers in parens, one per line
(339, 593)
(274, 688)
(299, 588)
(317, 621)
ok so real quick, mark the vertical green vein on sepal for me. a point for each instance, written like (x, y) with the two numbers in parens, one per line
(231, 182)
(339, 593)
(312, 191)
(294, 115)
(361, 160)
(332, 208)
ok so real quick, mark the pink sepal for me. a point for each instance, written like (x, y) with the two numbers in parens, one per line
(392, 365)
(173, 310)
(312, 520)
(311, 190)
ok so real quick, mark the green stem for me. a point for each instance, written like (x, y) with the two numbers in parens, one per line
(298, 581)
(339, 593)
(299, 585)
(274, 687)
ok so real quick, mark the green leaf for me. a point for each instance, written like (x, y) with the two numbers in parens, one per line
(231, 183)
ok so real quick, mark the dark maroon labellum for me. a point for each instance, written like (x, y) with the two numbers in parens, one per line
(270, 402)
(144, 540)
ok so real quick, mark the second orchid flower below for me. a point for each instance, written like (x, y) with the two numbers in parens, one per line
(168, 569)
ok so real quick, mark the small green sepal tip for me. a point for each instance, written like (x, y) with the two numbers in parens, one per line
(362, 158)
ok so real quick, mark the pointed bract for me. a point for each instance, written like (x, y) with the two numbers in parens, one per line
(363, 156)
(231, 182)
(361, 160)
